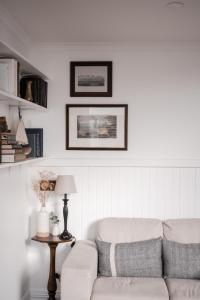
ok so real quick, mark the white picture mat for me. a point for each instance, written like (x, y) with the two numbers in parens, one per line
(118, 142)
(91, 70)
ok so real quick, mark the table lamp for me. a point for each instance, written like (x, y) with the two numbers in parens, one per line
(65, 185)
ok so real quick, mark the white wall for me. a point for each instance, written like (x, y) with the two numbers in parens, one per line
(160, 85)
(159, 175)
(14, 229)
(14, 233)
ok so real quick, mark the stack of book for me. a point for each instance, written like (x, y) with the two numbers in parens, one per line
(11, 152)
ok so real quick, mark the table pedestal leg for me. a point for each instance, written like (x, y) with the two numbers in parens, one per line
(52, 285)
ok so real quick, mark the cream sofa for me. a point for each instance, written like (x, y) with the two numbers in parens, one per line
(79, 280)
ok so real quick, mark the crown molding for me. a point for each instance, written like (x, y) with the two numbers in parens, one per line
(137, 45)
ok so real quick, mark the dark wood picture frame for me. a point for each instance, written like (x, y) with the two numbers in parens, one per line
(98, 106)
(75, 93)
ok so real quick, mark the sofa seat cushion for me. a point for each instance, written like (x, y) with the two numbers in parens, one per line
(129, 288)
(183, 289)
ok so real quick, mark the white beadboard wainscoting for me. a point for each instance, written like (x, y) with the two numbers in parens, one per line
(124, 188)
(111, 188)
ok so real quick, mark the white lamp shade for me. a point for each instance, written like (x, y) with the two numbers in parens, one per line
(65, 185)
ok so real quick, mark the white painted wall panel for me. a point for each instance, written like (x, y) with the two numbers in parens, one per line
(129, 192)
(122, 191)
(14, 276)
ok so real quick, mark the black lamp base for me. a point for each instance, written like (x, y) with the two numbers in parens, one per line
(65, 235)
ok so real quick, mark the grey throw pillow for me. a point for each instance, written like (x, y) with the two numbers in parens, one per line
(181, 260)
(136, 259)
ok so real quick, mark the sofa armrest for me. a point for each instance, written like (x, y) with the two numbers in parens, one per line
(79, 271)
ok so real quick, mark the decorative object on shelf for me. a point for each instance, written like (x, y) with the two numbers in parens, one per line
(65, 185)
(91, 79)
(96, 127)
(54, 220)
(40, 188)
(29, 95)
(21, 136)
(3, 124)
(34, 88)
(11, 151)
(35, 140)
(9, 75)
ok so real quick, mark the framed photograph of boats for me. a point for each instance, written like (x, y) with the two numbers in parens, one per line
(96, 127)
(91, 79)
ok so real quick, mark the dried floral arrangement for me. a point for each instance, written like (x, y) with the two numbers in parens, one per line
(47, 185)
(44, 186)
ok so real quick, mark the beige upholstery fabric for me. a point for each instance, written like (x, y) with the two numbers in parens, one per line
(125, 230)
(129, 288)
(183, 289)
(182, 230)
(79, 271)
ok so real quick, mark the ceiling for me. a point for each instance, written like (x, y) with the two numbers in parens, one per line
(102, 21)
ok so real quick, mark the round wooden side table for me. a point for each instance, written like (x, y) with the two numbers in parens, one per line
(52, 242)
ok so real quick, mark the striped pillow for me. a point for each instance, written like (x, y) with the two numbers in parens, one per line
(136, 259)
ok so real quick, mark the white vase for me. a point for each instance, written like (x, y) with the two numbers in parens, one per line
(55, 230)
(43, 222)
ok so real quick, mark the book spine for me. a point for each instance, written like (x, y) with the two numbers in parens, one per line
(12, 151)
(41, 142)
(38, 147)
(35, 139)
(23, 84)
(18, 79)
(0, 151)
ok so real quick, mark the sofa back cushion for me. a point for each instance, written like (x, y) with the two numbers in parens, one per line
(181, 260)
(126, 230)
(136, 259)
(182, 230)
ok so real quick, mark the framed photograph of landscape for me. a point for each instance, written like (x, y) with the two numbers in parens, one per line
(96, 127)
(91, 79)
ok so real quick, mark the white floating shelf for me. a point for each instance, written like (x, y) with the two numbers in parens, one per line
(26, 67)
(20, 163)
(12, 100)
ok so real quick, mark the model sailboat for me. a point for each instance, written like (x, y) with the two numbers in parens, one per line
(21, 136)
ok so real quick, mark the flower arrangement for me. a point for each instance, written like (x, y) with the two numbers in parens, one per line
(44, 185)
(47, 185)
